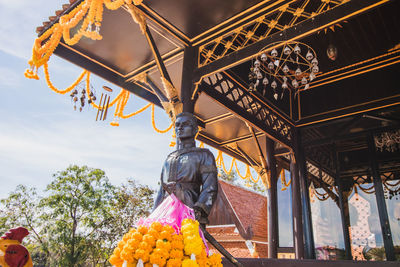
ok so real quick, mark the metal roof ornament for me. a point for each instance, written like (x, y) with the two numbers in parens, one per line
(292, 66)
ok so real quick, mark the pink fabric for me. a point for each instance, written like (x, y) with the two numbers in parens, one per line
(171, 211)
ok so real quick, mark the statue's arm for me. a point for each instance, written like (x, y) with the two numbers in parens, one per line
(160, 194)
(209, 191)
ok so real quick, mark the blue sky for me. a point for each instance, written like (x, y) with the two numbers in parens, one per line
(40, 133)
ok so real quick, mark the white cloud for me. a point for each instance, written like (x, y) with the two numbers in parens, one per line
(8, 77)
(29, 154)
(18, 22)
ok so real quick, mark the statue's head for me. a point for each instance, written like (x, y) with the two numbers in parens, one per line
(186, 125)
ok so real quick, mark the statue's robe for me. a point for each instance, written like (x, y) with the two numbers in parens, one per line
(191, 174)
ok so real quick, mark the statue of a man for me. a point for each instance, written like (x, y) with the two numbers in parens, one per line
(189, 172)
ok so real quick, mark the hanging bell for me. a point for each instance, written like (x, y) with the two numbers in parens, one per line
(271, 65)
(297, 72)
(256, 70)
(80, 109)
(309, 55)
(297, 49)
(304, 80)
(315, 69)
(284, 85)
(276, 96)
(265, 81)
(274, 53)
(89, 101)
(259, 75)
(312, 76)
(274, 84)
(72, 94)
(314, 62)
(75, 92)
(263, 57)
(307, 86)
(75, 98)
(251, 87)
(257, 63)
(287, 50)
(285, 69)
(83, 91)
(94, 98)
(295, 83)
(91, 94)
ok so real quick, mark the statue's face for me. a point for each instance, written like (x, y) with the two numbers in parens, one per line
(184, 128)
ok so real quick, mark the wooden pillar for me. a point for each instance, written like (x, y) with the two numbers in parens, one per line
(273, 230)
(309, 247)
(297, 212)
(343, 206)
(187, 85)
(380, 201)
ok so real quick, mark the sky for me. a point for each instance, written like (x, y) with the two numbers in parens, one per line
(41, 134)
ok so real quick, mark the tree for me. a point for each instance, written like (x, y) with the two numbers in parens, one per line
(77, 206)
(21, 209)
(80, 220)
(130, 202)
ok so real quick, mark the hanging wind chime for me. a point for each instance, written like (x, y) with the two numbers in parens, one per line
(82, 97)
(104, 104)
(289, 67)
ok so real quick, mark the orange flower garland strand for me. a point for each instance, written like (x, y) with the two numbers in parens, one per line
(72, 86)
(90, 11)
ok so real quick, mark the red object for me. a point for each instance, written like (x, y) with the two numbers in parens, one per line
(16, 234)
(16, 256)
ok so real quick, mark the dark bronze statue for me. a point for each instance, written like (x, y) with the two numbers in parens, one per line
(189, 172)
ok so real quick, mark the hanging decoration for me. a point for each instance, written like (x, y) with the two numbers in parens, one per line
(84, 20)
(289, 66)
(388, 141)
(332, 52)
(219, 160)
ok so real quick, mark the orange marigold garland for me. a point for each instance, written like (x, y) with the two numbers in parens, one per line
(160, 245)
(90, 11)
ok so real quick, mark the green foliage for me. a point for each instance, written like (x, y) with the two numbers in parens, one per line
(79, 220)
(233, 178)
(374, 254)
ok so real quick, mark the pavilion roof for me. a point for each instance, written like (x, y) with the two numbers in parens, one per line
(229, 34)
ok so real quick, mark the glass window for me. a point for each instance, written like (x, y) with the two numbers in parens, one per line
(284, 189)
(327, 224)
(391, 189)
(365, 230)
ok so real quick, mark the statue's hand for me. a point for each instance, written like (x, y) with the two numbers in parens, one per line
(200, 215)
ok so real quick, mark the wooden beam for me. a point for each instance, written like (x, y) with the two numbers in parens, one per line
(296, 32)
(297, 217)
(187, 86)
(242, 113)
(380, 200)
(108, 75)
(331, 140)
(343, 206)
(272, 205)
(309, 246)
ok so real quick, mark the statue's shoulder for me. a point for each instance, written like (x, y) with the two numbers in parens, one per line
(198, 150)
